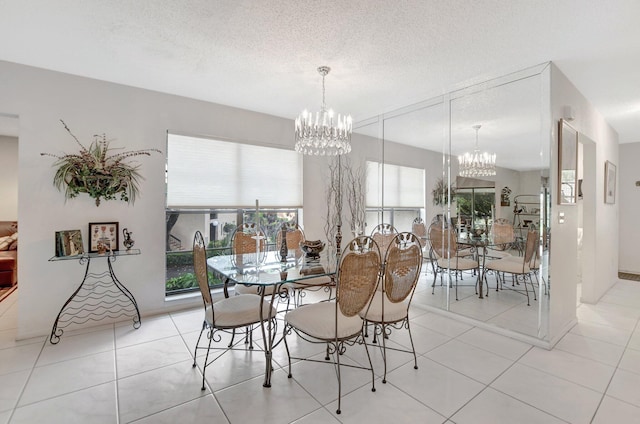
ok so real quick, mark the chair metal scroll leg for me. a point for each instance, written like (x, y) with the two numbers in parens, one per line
(195, 350)
(206, 358)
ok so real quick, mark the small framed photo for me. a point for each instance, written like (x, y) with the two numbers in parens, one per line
(69, 243)
(103, 236)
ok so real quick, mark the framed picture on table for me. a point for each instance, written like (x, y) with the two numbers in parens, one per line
(103, 236)
(69, 243)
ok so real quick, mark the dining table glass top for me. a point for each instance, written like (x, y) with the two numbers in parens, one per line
(242, 269)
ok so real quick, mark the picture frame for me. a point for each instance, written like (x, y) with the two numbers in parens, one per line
(103, 236)
(610, 174)
(567, 164)
(68, 243)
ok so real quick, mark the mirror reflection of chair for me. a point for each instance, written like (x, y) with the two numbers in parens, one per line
(226, 315)
(517, 266)
(383, 234)
(420, 230)
(447, 256)
(503, 236)
(338, 323)
(534, 265)
(390, 307)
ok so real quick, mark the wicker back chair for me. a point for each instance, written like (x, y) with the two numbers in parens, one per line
(503, 236)
(243, 242)
(446, 255)
(338, 324)
(243, 249)
(225, 315)
(518, 266)
(383, 234)
(390, 307)
(419, 229)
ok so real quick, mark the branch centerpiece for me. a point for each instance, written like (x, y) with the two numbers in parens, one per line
(98, 172)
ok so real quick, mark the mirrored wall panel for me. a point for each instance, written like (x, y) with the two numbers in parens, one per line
(468, 171)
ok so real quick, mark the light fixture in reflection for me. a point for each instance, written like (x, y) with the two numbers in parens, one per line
(323, 133)
(477, 164)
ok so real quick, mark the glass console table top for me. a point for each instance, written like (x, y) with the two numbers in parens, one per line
(96, 255)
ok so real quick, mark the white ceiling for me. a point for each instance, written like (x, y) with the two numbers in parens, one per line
(263, 55)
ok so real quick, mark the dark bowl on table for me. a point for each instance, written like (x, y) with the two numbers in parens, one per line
(312, 248)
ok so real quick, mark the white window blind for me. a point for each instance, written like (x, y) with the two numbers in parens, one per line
(202, 173)
(403, 186)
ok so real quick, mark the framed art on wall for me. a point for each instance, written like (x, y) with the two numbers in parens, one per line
(609, 182)
(103, 236)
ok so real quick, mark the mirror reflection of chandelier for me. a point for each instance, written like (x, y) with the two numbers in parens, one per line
(322, 134)
(477, 164)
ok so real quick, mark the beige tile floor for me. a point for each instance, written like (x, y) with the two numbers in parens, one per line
(114, 374)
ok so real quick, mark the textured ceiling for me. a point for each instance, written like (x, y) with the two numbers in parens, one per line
(263, 55)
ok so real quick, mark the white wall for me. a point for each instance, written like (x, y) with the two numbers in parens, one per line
(8, 178)
(564, 237)
(628, 197)
(136, 119)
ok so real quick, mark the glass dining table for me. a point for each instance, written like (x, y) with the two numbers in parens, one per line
(271, 276)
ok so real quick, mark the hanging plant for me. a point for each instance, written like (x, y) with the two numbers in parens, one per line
(439, 193)
(97, 171)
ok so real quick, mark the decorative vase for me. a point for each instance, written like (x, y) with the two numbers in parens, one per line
(128, 242)
(284, 250)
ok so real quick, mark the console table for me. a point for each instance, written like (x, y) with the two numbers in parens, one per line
(99, 295)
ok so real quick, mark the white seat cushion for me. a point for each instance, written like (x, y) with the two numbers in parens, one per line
(238, 311)
(393, 312)
(508, 265)
(318, 321)
(461, 264)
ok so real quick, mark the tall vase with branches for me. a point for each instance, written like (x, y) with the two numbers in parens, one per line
(356, 196)
(333, 211)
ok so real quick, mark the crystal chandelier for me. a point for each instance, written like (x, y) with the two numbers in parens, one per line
(477, 164)
(322, 134)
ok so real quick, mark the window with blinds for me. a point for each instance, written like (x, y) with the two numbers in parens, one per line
(206, 173)
(402, 186)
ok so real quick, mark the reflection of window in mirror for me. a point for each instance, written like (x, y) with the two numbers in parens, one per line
(475, 207)
(567, 163)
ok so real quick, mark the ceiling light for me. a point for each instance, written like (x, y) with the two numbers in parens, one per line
(477, 164)
(321, 133)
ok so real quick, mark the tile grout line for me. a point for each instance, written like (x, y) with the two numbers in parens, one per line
(15, 407)
(613, 375)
